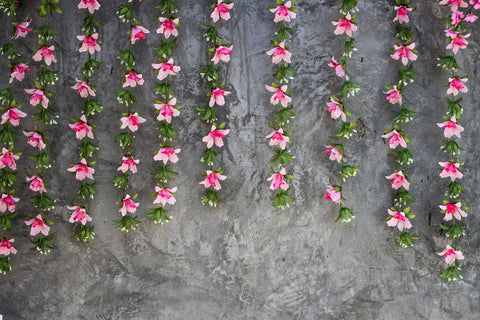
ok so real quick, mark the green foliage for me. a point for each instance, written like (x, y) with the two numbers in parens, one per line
(121, 181)
(402, 198)
(42, 201)
(124, 139)
(284, 73)
(45, 116)
(284, 115)
(7, 178)
(92, 107)
(404, 116)
(164, 89)
(126, 96)
(454, 189)
(49, 7)
(127, 223)
(453, 230)
(208, 114)
(452, 272)
(210, 72)
(125, 13)
(282, 157)
(282, 199)
(211, 198)
(87, 191)
(448, 62)
(403, 157)
(348, 129)
(42, 160)
(211, 34)
(164, 51)
(158, 215)
(5, 264)
(126, 57)
(6, 220)
(345, 215)
(166, 130)
(43, 244)
(84, 233)
(209, 156)
(164, 173)
(405, 239)
(90, 66)
(167, 6)
(90, 24)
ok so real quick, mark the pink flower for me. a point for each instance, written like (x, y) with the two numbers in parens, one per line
(399, 220)
(37, 184)
(398, 180)
(221, 11)
(35, 140)
(91, 5)
(282, 13)
(222, 53)
(82, 128)
(164, 195)
(457, 17)
(475, 3)
(345, 25)
(132, 79)
(128, 163)
(212, 180)
(454, 4)
(471, 17)
(89, 43)
(215, 137)
(83, 89)
(138, 32)
(394, 95)
(38, 96)
(395, 140)
(217, 96)
(165, 69)
(333, 194)
(21, 29)
(8, 202)
(45, 53)
(451, 255)
(456, 84)
(404, 52)
(339, 70)
(335, 108)
(128, 205)
(6, 247)
(18, 72)
(451, 128)
(82, 170)
(278, 138)
(450, 170)
(79, 214)
(280, 53)
(453, 210)
(335, 153)
(132, 121)
(37, 225)
(278, 180)
(458, 40)
(167, 110)
(13, 115)
(279, 95)
(8, 158)
(168, 27)
(166, 154)
(402, 14)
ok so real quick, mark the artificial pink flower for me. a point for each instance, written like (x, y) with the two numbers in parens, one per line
(458, 40)
(282, 13)
(166, 154)
(454, 4)
(334, 195)
(345, 25)
(8, 202)
(217, 96)
(475, 3)
(132, 79)
(21, 29)
(456, 84)
(79, 214)
(402, 14)
(82, 170)
(167, 110)
(37, 184)
(138, 32)
(132, 121)
(83, 89)
(168, 27)
(212, 180)
(394, 95)
(451, 254)
(278, 180)
(450, 170)
(396, 138)
(82, 128)
(404, 52)
(222, 53)
(279, 95)
(128, 163)
(451, 128)
(128, 205)
(91, 5)
(38, 96)
(398, 180)
(35, 139)
(165, 69)
(37, 225)
(457, 17)
(398, 220)
(453, 210)
(13, 115)
(280, 53)
(6, 247)
(215, 137)
(221, 10)
(335, 153)
(278, 138)
(46, 54)
(18, 72)
(335, 108)
(89, 43)
(471, 17)
(339, 68)
(7, 158)
(164, 195)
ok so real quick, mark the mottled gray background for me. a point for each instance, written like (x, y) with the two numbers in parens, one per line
(244, 259)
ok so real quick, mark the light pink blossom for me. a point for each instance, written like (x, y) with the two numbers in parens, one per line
(212, 180)
(35, 139)
(128, 205)
(82, 128)
(138, 32)
(166, 154)
(475, 3)
(132, 79)
(451, 254)
(456, 84)
(451, 128)
(402, 14)
(7, 202)
(38, 225)
(128, 163)
(280, 53)
(164, 195)
(222, 53)
(396, 138)
(167, 110)
(404, 52)
(335, 108)
(333, 195)
(345, 25)
(282, 12)
(82, 170)
(458, 41)
(13, 115)
(278, 138)
(18, 72)
(457, 17)
(398, 220)
(279, 95)
(89, 43)
(278, 180)
(132, 121)
(450, 170)
(38, 96)
(168, 27)
(36, 184)
(83, 89)
(471, 17)
(398, 180)
(218, 96)
(7, 158)
(21, 29)
(335, 153)
(79, 214)
(165, 69)
(453, 210)
(454, 4)
(6, 247)
(46, 54)
(339, 68)
(215, 137)
(221, 10)
(394, 95)
(91, 5)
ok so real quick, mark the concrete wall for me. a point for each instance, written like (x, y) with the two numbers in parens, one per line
(244, 259)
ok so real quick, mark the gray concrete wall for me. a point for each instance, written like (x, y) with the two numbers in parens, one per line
(244, 259)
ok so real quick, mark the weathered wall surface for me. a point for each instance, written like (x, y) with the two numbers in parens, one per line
(245, 260)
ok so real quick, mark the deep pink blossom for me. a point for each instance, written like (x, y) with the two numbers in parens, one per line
(278, 180)
(396, 138)
(212, 180)
(166, 154)
(165, 69)
(280, 53)
(333, 195)
(82, 128)
(91, 5)
(454, 4)
(404, 52)
(278, 138)
(458, 40)
(138, 32)
(222, 53)
(398, 180)
(38, 96)
(168, 27)
(18, 72)
(46, 54)
(6, 247)
(215, 137)
(451, 254)
(475, 3)
(282, 12)
(89, 43)
(451, 128)
(79, 214)
(165, 195)
(345, 25)
(167, 110)
(335, 108)
(398, 220)
(132, 121)
(128, 205)
(218, 96)
(132, 79)
(13, 115)
(21, 29)
(128, 163)
(456, 84)
(35, 139)
(7, 202)
(402, 14)
(279, 95)
(335, 153)
(221, 10)
(38, 225)
(450, 170)
(36, 184)
(83, 89)
(457, 17)
(453, 210)
(82, 170)
(394, 95)
(339, 68)
(7, 159)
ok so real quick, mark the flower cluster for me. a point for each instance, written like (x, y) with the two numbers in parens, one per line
(337, 106)
(399, 216)
(167, 109)
(130, 119)
(452, 209)
(220, 52)
(279, 137)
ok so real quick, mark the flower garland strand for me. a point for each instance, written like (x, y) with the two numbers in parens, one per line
(37, 137)
(337, 108)
(167, 109)
(453, 209)
(216, 96)
(82, 126)
(11, 117)
(130, 119)
(400, 216)
(279, 137)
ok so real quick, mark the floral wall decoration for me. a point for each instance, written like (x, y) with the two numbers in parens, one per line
(399, 215)
(130, 120)
(220, 53)
(337, 106)
(284, 13)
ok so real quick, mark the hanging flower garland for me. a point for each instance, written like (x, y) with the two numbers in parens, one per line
(216, 96)
(399, 216)
(131, 120)
(453, 208)
(338, 108)
(279, 137)
(167, 109)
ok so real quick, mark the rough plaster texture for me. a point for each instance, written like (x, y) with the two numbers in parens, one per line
(245, 260)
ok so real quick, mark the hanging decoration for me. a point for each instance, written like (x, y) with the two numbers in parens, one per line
(337, 106)
(216, 97)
